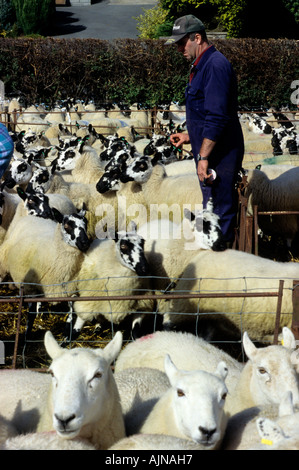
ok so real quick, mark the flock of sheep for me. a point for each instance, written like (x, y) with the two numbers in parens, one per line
(169, 391)
(87, 214)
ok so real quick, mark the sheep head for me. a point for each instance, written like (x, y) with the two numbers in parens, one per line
(81, 393)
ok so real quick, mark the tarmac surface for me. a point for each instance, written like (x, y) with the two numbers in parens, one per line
(104, 19)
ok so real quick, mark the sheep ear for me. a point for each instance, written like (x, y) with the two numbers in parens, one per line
(51, 345)
(170, 369)
(248, 345)
(222, 370)
(286, 406)
(132, 227)
(189, 214)
(57, 215)
(112, 350)
(21, 193)
(288, 338)
(269, 431)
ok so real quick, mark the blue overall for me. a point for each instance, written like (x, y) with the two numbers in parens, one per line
(6, 149)
(211, 112)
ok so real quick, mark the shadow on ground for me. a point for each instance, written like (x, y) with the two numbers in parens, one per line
(65, 23)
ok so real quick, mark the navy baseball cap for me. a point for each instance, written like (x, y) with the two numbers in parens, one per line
(184, 25)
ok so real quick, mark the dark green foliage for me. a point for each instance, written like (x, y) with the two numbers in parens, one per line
(143, 71)
(271, 19)
(7, 14)
(34, 16)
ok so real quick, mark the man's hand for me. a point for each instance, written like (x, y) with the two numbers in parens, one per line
(202, 168)
(179, 139)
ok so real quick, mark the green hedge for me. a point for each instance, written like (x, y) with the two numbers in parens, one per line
(144, 71)
(34, 16)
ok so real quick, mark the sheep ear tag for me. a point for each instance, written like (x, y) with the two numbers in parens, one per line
(51, 345)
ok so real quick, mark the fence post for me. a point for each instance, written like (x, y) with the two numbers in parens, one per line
(278, 311)
(295, 320)
(14, 361)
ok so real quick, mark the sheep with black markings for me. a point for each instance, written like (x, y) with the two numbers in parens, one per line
(178, 190)
(47, 272)
(112, 267)
(170, 246)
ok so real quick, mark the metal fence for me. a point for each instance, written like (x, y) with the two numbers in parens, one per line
(21, 301)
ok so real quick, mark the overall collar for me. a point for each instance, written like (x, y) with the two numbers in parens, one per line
(211, 49)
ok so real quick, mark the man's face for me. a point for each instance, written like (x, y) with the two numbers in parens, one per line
(188, 48)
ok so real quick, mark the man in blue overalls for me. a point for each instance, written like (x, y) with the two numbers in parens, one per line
(214, 130)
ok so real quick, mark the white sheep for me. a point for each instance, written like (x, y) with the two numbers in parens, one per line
(55, 131)
(278, 194)
(188, 352)
(267, 375)
(22, 396)
(273, 171)
(156, 442)
(241, 431)
(112, 267)
(235, 272)
(45, 441)
(139, 384)
(274, 436)
(8, 206)
(83, 400)
(7, 430)
(192, 408)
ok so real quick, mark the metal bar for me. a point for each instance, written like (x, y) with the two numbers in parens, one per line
(278, 212)
(14, 361)
(141, 297)
(255, 230)
(278, 312)
(295, 322)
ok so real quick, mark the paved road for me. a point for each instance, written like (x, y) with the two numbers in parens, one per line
(104, 19)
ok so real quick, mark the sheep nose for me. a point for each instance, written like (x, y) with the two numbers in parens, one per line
(208, 433)
(63, 422)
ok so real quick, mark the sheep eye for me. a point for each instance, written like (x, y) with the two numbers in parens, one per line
(97, 375)
(180, 393)
(262, 370)
(124, 246)
(224, 396)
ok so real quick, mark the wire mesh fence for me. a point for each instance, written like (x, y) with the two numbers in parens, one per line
(18, 350)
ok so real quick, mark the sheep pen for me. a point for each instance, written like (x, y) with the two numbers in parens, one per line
(258, 150)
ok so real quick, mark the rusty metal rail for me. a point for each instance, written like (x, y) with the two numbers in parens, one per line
(22, 299)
